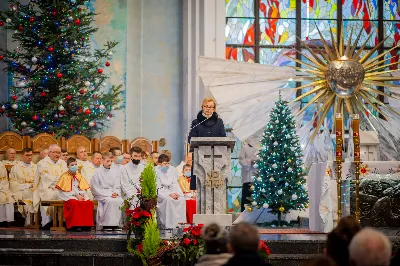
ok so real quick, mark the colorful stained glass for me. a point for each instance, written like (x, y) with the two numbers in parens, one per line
(322, 9)
(244, 54)
(368, 27)
(391, 10)
(239, 8)
(277, 9)
(277, 31)
(276, 56)
(236, 173)
(392, 30)
(234, 199)
(239, 31)
(309, 30)
(360, 9)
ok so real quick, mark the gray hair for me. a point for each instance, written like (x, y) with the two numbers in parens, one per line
(370, 248)
(53, 147)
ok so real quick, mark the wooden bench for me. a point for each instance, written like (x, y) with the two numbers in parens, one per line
(58, 213)
(33, 217)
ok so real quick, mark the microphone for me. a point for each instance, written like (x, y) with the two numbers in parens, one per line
(187, 134)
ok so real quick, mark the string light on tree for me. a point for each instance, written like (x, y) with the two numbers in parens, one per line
(279, 184)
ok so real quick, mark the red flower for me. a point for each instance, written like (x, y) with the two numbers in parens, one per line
(140, 247)
(145, 214)
(128, 212)
(186, 241)
(196, 232)
(195, 242)
(136, 215)
(264, 247)
(136, 209)
(187, 229)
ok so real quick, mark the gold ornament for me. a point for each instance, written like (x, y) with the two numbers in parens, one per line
(344, 79)
(306, 205)
(289, 161)
(251, 187)
(281, 209)
(250, 209)
(258, 207)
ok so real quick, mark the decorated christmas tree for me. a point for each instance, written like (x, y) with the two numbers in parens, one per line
(280, 185)
(57, 81)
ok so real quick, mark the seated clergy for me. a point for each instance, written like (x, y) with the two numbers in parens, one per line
(73, 188)
(106, 189)
(21, 178)
(190, 195)
(88, 170)
(6, 200)
(82, 157)
(171, 207)
(47, 174)
(130, 175)
(43, 153)
(64, 155)
(117, 157)
(11, 156)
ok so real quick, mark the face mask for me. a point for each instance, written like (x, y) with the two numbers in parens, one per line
(187, 174)
(164, 168)
(73, 169)
(120, 159)
(135, 162)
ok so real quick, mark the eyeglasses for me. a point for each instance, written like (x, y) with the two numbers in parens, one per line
(208, 107)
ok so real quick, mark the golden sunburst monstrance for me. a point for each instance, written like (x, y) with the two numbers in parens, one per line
(344, 78)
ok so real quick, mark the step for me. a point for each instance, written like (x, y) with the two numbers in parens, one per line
(290, 259)
(296, 246)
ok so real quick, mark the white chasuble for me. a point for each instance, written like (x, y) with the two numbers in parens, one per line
(7, 162)
(130, 175)
(104, 183)
(88, 171)
(21, 178)
(170, 211)
(47, 174)
(6, 199)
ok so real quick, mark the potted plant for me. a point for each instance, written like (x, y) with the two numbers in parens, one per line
(148, 185)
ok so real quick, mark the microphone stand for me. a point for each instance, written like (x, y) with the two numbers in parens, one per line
(187, 135)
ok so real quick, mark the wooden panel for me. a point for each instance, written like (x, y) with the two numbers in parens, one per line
(143, 143)
(11, 140)
(43, 141)
(76, 141)
(108, 142)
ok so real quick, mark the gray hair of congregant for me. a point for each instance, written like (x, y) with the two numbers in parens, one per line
(370, 248)
(244, 238)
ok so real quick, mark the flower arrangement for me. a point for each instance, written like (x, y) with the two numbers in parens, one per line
(136, 220)
(264, 250)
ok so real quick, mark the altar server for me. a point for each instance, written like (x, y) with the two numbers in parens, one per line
(82, 157)
(190, 195)
(64, 155)
(171, 207)
(47, 174)
(117, 157)
(247, 158)
(154, 157)
(127, 158)
(130, 175)
(21, 178)
(11, 157)
(106, 188)
(88, 170)
(6, 200)
(73, 190)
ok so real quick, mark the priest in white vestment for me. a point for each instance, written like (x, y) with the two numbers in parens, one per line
(43, 154)
(82, 157)
(47, 174)
(11, 157)
(171, 207)
(6, 199)
(21, 178)
(88, 170)
(130, 175)
(106, 189)
(117, 157)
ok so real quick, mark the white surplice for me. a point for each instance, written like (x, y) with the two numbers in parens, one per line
(66, 196)
(47, 174)
(103, 184)
(116, 165)
(246, 155)
(170, 212)
(21, 178)
(6, 199)
(130, 175)
(88, 171)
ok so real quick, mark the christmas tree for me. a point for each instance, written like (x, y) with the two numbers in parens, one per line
(58, 82)
(280, 185)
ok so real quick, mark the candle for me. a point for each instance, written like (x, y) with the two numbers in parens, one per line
(356, 137)
(339, 137)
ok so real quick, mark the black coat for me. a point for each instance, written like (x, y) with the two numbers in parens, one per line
(212, 127)
(246, 259)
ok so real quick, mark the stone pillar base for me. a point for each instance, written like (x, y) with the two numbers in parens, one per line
(221, 219)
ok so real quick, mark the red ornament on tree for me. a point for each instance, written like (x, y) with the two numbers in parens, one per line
(82, 91)
(43, 94)
(108, 64)
(62, 112)
(68, 97)
(54, 13)
(79, 9)
(14, 97)
(32, 19)
(71, 126)
(8, 115)
(1, 110)
(99, 70)
(1, 57)
(80, 110)
(20, 28)
(87, 111)
(35, 117)
(1, 23)
(77, 21)
(59, 75)
(51, 49)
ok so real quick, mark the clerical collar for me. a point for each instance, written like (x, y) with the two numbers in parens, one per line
(26, 164)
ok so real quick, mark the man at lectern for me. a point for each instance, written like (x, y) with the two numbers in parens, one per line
(207, 124)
